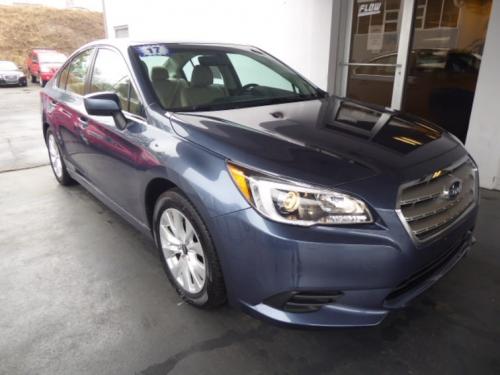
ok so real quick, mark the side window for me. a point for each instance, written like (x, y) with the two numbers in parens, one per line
(252, 71)
(111, 74)
(77, 71)
(63, 78)
(189, 66)
(218, 77)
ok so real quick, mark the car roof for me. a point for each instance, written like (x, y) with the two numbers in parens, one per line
(124, 43)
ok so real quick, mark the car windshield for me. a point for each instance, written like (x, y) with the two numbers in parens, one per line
(203, 79)
(51, 57)
(7, 65)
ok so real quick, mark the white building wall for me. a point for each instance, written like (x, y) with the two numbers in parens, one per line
(483, 138)
(295, 31)
(305, 35)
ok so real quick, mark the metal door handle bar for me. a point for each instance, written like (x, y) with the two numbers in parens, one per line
(369, 64)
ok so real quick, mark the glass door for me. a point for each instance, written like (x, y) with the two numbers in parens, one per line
(445, 56)
(420, 56)
(374, 55)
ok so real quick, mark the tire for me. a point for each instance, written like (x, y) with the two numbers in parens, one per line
(57, 163)
(42, 82)
(213, 292)
(33, 78)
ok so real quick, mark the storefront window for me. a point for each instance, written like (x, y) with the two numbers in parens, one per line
(444, 61)
(433, 73)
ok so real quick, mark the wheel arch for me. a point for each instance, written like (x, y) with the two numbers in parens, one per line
(154, 189)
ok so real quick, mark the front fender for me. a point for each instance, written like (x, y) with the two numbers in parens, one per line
(201, 174)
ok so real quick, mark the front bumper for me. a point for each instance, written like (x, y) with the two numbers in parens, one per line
(19, 81)
(371, 269)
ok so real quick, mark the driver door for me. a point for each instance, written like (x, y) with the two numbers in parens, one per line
(117, 157)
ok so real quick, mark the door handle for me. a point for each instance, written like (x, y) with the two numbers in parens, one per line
(51, 105)
(65, 113)
(83, 122)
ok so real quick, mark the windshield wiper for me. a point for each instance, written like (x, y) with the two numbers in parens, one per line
(287, 99)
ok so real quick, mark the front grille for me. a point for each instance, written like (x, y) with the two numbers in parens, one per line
(435, 202)
(11, 78)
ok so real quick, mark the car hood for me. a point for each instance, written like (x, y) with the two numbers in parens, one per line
(328, 141)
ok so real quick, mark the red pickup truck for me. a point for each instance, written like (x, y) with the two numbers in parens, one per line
(43, 63)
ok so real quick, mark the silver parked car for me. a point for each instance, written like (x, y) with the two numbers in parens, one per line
(11, 74)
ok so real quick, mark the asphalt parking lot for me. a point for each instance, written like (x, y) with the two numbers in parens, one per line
(81, 292)
(20, 143)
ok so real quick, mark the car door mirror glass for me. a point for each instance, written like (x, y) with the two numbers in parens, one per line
(105, 104)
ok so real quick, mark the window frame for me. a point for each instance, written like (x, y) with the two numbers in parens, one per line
(86, 79)
(90, 71)
(132, 83)
(68, 65)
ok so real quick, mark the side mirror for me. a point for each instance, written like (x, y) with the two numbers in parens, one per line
(105, 104)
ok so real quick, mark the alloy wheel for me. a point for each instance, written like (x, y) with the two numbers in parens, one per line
(182, 250)
(55, 156)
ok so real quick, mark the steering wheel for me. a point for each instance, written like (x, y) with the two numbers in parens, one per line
(248, 87)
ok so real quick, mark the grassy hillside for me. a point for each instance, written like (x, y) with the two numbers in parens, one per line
(25, 27)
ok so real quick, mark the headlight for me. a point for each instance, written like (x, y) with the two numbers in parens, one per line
(298, 204)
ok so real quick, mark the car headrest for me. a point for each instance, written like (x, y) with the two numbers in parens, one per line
(202, 76)
(159, 73)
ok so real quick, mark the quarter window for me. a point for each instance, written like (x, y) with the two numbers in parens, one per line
(63, 78)
(77, 72)
(111, 74)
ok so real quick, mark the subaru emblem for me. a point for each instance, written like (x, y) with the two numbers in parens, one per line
(453, 190)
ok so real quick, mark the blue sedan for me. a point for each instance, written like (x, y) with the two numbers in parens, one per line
(257, 187)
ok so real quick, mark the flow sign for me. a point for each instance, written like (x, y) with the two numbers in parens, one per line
(369, 8)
